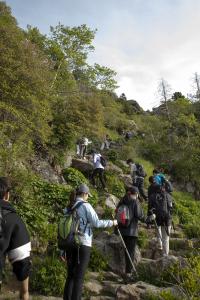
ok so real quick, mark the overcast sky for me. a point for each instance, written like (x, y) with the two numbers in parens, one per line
(142, 40)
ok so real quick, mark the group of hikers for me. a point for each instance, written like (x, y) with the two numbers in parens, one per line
(80, 217)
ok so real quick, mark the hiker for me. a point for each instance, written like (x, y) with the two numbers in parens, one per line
(160, 179)
(106, 143)
(84, 142)
(137, 173)
(78, 258)
(160, 204)
(152, 187)
(99, 168)
(14, 240)
(129, 212)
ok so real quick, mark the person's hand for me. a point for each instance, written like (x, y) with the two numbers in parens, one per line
(153, 217)
(115, 223)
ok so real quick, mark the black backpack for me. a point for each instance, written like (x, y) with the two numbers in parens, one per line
(103, 161)
(140, 170)
(163, 207)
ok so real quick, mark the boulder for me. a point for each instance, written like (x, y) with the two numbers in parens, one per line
(111, 201)
(82, 165)
(127, 180)
(110, 246)
(141, 290)
(113, 168)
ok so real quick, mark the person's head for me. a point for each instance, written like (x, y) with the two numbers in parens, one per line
(156, 171)
(4, 188)
(83, 191)
(133, 192)
(151, 180)
(129, 161)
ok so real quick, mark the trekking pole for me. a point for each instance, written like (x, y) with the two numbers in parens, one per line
(124, 245)
(156, 225)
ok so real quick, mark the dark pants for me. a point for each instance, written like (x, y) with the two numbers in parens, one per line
(130, 242)
(100, 173)
(139, 183)
(77, 264)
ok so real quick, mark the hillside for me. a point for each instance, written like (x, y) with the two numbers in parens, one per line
(50, 98)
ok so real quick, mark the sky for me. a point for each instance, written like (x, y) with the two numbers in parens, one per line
(142, 40)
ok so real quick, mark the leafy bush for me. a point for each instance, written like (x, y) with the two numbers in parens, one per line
(48, 276)
(74, 177)
(186, 277)
(143, 238)
(112, 155)
(98, 262)
(115, 185)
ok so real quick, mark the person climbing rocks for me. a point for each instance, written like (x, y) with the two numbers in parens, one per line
(78, 259)
(138, 174)
(160, 203)
(128, 213)
(14, 240)
(99, 169)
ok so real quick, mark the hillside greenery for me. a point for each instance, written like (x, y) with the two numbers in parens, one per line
(49, 97)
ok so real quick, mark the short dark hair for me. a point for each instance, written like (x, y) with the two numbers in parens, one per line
(156, 171)
(4, 186)
(129, 161)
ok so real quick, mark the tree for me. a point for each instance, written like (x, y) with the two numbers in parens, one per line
(177, 95)
(165, 90)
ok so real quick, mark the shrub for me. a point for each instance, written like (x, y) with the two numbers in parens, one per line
(115, 185)
(143, 238)
(48, 276)
(74, 177)
(98, 261)
(112, 155)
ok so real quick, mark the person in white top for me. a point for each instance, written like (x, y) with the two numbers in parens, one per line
(83, 146)
(98, 170)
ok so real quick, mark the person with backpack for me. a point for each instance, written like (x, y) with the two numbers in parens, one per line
(160, 179)
(78, 256)
(138, 174)
(99, 168)
(160, 206)
(128, 213)
(14, 240)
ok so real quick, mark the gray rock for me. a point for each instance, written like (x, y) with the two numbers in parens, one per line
(111, 247)
(127, 180)
(112, 201)
(82, 165)
(113, 168)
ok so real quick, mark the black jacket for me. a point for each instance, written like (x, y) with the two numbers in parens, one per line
(136, 213)
(154, 208)
(15, 240)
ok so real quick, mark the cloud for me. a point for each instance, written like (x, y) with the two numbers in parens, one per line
(143, 41)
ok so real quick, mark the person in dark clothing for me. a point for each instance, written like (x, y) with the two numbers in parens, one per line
(14, 240)
(130, 232)
(152, 187)
(138, 180)
(160, 203)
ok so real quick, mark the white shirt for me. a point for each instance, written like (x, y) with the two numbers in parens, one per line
(97, 161)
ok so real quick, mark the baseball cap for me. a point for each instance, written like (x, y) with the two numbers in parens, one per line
(133, 190)
(83, 188)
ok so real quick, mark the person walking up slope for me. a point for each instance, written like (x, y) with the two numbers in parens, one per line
(78, 257)
(128, 213)
(99, 168)
(160, 204)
